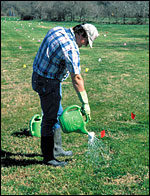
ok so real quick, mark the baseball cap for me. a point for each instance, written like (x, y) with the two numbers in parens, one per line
(91, 31)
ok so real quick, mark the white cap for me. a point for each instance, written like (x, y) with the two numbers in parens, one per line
(91, 31)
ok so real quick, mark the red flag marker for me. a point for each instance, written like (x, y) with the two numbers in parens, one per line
(132, 115)
(102, 133)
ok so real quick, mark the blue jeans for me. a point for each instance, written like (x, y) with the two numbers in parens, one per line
(60, 111)
(49, 91)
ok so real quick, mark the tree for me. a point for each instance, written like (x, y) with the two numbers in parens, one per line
(83, 11)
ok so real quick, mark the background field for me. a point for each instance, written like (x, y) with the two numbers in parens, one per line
(117, 85)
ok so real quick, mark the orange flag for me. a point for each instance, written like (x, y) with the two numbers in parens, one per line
(132, 115)
(102, 133)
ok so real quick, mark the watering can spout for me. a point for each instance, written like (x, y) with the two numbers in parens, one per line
(91, 136)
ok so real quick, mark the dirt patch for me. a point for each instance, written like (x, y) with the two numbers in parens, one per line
(124, 180)
(43, 27)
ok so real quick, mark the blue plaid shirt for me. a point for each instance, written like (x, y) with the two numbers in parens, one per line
(58, 55)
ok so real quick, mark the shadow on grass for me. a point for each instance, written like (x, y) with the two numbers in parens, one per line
(8, 154)
(23, 132)
(7, 161)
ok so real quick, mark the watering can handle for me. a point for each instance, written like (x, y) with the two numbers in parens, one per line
(78, 108)
(36, 115)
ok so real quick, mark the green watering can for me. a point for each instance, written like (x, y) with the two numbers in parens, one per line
(72, 120)
(35, 125)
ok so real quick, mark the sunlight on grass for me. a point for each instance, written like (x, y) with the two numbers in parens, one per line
(116, 85)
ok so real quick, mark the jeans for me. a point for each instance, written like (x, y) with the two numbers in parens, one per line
(49, 91)
(60, 111)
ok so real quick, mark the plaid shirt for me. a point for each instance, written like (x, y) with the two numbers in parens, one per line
(58, 55)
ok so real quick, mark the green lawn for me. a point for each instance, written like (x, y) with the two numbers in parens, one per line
(116, 86)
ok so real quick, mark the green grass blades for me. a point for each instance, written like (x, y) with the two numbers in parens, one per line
(116, 75)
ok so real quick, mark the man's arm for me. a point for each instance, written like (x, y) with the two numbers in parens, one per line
(78, 84)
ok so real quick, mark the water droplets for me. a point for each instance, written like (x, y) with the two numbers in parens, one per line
(97, 153)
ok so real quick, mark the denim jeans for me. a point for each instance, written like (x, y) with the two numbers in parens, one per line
(60, 111)
(49, 91)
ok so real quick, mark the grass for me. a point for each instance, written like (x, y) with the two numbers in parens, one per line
(116, 86)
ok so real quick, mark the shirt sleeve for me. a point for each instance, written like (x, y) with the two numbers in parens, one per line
(72, 59)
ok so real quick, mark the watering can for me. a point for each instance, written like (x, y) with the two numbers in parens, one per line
(35, 125)
(72, 120)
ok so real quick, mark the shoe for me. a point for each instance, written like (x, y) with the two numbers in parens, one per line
(54, 162)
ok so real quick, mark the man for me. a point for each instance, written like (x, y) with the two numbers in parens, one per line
(58, 56)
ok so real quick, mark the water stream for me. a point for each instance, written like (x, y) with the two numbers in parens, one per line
(97, 153)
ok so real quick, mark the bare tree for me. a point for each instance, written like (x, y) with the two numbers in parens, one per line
(141, 11)
(79, 10)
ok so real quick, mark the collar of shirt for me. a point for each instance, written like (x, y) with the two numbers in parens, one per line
(72, 32)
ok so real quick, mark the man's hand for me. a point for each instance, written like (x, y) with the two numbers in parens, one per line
(85, 106)
(86, 110)
(78, 84)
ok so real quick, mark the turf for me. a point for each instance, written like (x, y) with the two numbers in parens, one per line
(116, 86)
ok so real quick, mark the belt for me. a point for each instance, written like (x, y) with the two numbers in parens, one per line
(48, 79)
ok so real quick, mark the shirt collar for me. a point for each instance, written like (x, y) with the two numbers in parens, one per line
(72, 32)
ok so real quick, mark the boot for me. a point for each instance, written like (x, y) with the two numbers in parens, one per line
(47, 145)
(58, 151)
